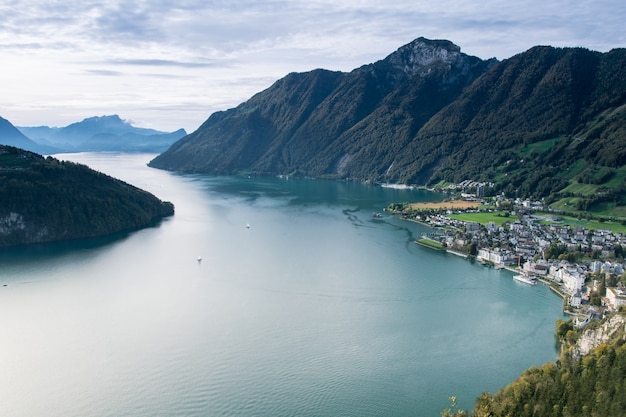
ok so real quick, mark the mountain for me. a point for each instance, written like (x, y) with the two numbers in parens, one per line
(46, 200)
(546, 123)
(314, 123)
(103, 133)
(10, 135)
(535, 124)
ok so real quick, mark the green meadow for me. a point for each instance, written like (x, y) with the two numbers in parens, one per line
(483, 218)
(614, 227)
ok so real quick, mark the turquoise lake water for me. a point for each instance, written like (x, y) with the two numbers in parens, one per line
(315, 309)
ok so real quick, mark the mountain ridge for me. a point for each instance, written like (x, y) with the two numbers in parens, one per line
(102, 133)
(11, 136)
(537, 125)
(284, 129)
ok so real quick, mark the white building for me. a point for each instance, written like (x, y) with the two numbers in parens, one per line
(615, 298)
(537, 268)
(571, 279)
(576, 300)
(596, 266)
(496, 256)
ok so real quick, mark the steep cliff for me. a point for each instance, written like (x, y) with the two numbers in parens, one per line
(592, 338)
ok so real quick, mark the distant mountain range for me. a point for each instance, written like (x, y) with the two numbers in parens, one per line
(11, 136)
(105, 133)
(546, 123)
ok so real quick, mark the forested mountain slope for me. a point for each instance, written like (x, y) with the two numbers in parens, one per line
(530, 118)
(548, 122)
(330, 124)
(44, 200)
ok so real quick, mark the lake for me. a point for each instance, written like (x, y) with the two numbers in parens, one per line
(303, 304)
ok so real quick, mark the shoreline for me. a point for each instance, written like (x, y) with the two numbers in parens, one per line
(514, 270)
(457, 253)
(548, 283)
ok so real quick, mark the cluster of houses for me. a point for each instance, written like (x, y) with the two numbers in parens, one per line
(522, 244)
(476, 186)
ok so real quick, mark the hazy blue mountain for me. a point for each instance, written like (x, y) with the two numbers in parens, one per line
(10, 135)
(103, 133)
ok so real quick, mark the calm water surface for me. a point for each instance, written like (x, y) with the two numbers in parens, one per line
(316, 309)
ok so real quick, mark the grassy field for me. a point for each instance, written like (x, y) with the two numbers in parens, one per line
(483, 218)
(589, 224)
(541, 147)
(449, 204)
(582, 189)
(606, 209)
(430, 244)
(499, 219)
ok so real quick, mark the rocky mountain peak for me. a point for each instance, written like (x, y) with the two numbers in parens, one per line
(417, 57)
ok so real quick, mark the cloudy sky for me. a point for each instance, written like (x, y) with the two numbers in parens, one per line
(167, 64)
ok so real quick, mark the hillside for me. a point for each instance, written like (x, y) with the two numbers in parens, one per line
(546, 123)
(102, 133)
(539, 125)
(331, 124)
(11, 136)
(45, 200)
(589, 385)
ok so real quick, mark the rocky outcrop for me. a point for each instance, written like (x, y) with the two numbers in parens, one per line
(592, 338)
(422, 57)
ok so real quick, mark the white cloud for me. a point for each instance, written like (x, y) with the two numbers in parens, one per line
(170, 64)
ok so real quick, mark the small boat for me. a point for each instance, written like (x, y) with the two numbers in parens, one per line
(247, 226)
(199, 258)
(526, 279)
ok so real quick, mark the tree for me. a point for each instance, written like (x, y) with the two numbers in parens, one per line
(562, 327)
(473, 249)
(571, 336)
(453, 410)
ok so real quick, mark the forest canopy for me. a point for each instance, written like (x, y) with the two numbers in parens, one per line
(44, 199)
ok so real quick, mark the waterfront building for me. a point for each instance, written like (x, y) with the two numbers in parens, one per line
(537, 268)
(497, 256)
(571, 278)
(576, 300)
(573, 282)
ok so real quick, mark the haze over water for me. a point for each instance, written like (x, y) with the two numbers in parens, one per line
(316, 309)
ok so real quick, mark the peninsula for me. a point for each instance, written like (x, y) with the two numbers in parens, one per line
(47, 200)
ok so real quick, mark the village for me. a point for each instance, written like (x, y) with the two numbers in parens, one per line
(584, 266)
